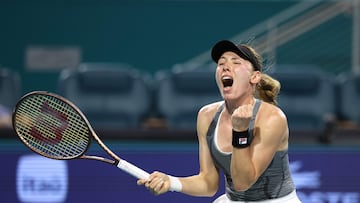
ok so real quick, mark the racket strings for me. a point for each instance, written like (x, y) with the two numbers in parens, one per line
(45, 127)
(52, 126)
(40, 127)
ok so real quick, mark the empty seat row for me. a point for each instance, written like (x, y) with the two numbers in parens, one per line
(348, 96)
(112, 95)
(10, 92)
(122, 97)
(115, 95)
(180, 94)
(10, 87)
(119, 96)
(307, 96)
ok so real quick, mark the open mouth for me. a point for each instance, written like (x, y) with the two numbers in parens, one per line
(227, 81)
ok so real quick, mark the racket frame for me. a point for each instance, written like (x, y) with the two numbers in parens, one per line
(92, 135)
(120, 163)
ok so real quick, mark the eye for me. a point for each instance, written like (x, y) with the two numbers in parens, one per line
(221, 62)
(237, 62)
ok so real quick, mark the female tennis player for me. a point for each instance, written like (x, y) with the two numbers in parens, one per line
(245, 136)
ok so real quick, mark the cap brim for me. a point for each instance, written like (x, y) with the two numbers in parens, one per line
(223, 46)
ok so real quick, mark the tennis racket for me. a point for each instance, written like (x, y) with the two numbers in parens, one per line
(53, 127)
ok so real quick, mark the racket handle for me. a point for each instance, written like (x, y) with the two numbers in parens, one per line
(133, 170)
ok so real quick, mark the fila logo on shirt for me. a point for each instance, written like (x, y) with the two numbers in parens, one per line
(243, 140)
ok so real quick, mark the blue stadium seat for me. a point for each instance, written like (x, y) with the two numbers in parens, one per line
(349, 97)
(111, 95)
(181, 94)
(307, 96)
(10, 87)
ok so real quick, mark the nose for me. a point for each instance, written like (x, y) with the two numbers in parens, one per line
(225, 67)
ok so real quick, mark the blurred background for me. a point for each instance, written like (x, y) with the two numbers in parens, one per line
(140, 71)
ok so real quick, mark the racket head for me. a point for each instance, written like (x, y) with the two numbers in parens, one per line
(51, 125)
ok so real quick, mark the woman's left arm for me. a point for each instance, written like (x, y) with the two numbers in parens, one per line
(270, 135)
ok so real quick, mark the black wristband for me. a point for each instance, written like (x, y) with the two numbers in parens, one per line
(240, 139)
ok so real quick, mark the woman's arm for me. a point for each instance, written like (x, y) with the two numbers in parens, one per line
(206, 182)
(270, 135)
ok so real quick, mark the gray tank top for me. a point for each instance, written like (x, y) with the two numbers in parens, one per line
(276, 180)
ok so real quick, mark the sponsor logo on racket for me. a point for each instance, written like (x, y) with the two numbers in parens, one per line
(56, 129)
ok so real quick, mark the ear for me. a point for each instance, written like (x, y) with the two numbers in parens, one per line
(255, 77)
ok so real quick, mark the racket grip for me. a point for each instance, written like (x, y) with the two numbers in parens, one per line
(133, 170)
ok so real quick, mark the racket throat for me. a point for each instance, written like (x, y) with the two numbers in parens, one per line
(102, 159)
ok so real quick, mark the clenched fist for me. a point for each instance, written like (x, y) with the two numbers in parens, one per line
(241, 117)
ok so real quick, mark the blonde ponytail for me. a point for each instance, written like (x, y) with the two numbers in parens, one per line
(268, 89)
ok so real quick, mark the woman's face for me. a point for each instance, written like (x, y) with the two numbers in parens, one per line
(233, 75)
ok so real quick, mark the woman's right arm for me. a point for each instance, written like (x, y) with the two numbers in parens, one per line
(206, 182)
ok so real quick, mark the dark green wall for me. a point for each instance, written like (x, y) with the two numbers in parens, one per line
(150, 35)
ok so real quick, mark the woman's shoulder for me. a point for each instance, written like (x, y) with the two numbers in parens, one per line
(210, 109)
(273, 123)
(270, 110)
(205, 116)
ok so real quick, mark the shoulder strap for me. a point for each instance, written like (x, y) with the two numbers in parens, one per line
(215, 120)
(255, 110)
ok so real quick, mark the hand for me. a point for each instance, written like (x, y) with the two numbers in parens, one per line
(241, 117)
(158, 183)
